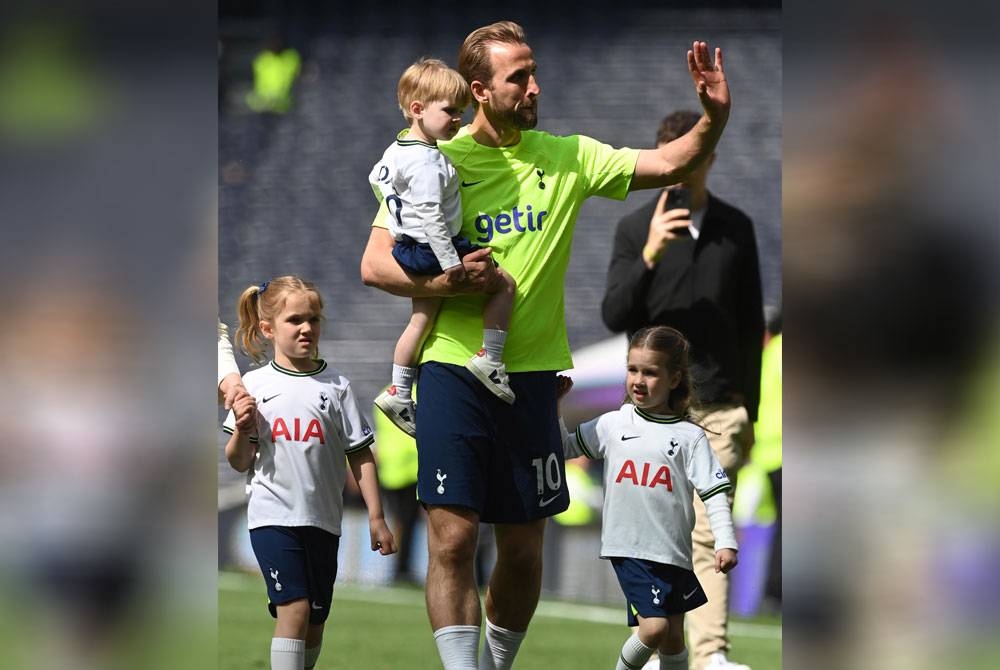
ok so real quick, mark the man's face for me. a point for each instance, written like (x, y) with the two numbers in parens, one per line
(513, 90)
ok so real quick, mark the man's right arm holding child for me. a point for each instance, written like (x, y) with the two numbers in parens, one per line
(380, 269)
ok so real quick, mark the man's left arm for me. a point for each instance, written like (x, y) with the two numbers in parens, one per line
(670, 163)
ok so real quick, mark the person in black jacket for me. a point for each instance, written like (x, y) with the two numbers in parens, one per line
(697, 270)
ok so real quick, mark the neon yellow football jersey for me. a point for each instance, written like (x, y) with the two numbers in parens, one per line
(522, 201)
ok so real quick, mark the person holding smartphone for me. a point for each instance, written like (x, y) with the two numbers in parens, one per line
(671, 220)
(689, 260)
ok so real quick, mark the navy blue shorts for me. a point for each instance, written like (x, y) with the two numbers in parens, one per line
(297, 562)
(656, 589)
(474, 450)
(418, 257)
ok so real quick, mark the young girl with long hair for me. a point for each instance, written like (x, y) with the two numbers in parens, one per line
(656, 459)
(308, 427)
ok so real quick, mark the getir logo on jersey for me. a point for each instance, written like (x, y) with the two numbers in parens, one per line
(280, 428)
(516, 220)
(631, 473)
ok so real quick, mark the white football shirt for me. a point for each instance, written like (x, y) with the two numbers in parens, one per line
(653, 466)
(307, 424)
(420, 188)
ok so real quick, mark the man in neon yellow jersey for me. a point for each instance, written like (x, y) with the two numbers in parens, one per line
(480, 459)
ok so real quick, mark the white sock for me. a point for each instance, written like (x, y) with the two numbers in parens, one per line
(402, 379)
(457, 646)
(287, 654)
(500, 648)
(493, 341)
(312, 655)
(634, 654)
(674, 661)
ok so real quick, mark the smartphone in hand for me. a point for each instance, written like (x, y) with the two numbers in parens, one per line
(679, 197)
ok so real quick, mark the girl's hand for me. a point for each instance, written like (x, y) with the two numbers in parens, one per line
(232, 389)
(725, 560)
(563, 385)
(381, 537)
(245, 411)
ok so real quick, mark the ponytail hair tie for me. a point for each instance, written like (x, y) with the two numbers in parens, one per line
(260, 291)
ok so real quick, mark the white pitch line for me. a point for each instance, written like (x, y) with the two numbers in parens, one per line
(598, 614)
(547, 609)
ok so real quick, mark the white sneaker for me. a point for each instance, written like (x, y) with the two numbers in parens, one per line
(653, 664)
(718, 661)
(492, 375)
(400, 412)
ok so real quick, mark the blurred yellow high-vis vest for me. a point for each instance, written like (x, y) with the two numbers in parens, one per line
(395, 453)
(273, 76)
(766, 450)
(585, 497)
(754, 501)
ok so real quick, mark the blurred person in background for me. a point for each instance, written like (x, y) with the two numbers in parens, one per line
(658, 460)
(891, 286)
(296, 459)
(543, 180)
(696, 269)
(275, 70)
(586, 496)
(107, 487)
(396, 455)
(81, 483)
(766, 452)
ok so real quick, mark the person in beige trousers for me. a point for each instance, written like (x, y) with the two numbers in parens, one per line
(730, 434)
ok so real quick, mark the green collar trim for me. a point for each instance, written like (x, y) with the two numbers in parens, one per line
(403, 142)
(658, 418)
(296, 373)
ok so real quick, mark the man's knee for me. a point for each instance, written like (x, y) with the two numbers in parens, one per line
(453, 536)
(521, 546)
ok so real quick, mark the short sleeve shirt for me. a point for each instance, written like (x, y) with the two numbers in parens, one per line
(523, 201)
(418, 174)
(653, 466)
(307, 424)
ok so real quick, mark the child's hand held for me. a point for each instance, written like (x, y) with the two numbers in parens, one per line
(245, 409)
(563, 386)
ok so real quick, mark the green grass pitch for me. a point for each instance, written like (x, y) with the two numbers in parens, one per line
(385, 628)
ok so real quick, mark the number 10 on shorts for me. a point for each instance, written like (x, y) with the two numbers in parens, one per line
(547, 473)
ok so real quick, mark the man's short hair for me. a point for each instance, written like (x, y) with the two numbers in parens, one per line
(676, 124)
(429, 80)
(474, 56)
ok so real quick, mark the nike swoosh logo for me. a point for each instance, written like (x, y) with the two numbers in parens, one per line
(688, 595)
(316, 607)
(630, 437)
(271, 398)
(543, 503)
(472, 183)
